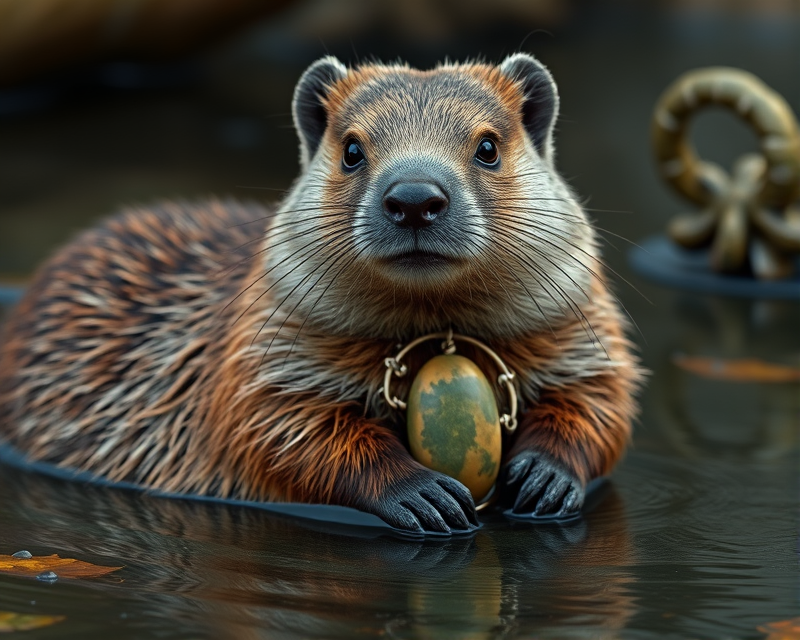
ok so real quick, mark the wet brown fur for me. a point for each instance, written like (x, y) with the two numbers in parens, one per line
(152, 350)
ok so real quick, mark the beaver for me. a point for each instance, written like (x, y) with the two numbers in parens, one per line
(426, 200)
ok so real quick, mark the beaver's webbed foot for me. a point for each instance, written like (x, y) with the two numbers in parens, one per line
(543, 487)
(425, 501)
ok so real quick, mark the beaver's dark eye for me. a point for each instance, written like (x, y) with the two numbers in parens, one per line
(487, 152)
(353, 156)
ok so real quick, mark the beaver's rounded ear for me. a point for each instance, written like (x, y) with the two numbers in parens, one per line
(310, 118)
(540, 108)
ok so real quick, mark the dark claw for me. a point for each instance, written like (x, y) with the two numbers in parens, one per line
(546, 487)
(463, 498)
(449, 508)
(429, 518)
(427, 501)
(517, 469)
(553, 495)
(573, 502)
(401, 518)
(533, 487)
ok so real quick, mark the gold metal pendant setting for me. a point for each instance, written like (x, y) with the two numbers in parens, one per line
(454, 425)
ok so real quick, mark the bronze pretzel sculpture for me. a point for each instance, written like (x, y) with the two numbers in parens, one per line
(747, 219)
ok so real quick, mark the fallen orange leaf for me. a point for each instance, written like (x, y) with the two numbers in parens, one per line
(63, 567)
(749, 370)
(782, 630)
(10, 622)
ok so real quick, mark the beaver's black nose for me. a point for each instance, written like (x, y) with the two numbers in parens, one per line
(414, 204)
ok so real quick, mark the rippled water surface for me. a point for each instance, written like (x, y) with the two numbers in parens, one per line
(694, 536)
(691, 538)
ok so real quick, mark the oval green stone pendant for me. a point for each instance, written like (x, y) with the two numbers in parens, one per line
(454, 426)
(453, 422)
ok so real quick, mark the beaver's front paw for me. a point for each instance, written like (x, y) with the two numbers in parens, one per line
(543, 487)
(426, 502)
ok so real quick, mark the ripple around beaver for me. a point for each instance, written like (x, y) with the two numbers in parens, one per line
(362, 523)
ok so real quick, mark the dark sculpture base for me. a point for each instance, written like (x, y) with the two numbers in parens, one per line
(661, 260)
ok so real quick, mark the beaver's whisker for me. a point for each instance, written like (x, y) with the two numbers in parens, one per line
(298, 233)
(560, 215)
(584, 204)
(527, 232)
(528, 224)
(334, 225)
(315, 244)
(331, 254)
(348, 250)
(553, 231)
(253, 188)
(356, 278)
(536, 272)
(521, 174)
(334, 211)
(476, 246)
(274, 213)
(513, 272)
(480, 252)
(536, 221)
(590, 270)
(266, 272)
(537, 199)
(573, 306)
(544, 213)
(262, 238)
(313, 306)
(319, 183)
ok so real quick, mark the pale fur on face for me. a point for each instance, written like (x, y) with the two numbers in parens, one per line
(524, 247)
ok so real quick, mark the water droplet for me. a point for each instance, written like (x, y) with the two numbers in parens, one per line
(22, 555)
(47, 576)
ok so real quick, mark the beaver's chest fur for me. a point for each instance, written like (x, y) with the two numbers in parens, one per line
(227, 349)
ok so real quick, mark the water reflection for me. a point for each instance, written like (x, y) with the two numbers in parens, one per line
(739, 420)
(220, 571)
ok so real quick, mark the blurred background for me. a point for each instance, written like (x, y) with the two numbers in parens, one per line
(111, 102)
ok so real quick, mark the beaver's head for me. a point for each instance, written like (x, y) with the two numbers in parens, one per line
(428, 199)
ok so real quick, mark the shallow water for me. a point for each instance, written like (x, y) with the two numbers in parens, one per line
(695, 535)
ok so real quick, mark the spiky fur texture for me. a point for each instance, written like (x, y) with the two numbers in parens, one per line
(224, 349)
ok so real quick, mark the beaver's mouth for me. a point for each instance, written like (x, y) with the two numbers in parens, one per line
(419, 259)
